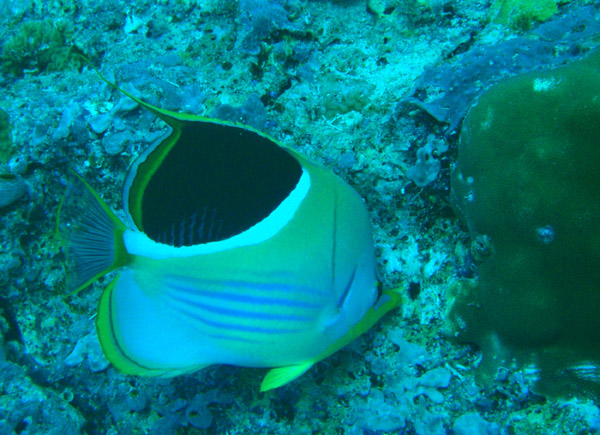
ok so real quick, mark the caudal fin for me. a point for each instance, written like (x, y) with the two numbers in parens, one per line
(92, 235)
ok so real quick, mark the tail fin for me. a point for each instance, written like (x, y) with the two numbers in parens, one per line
(92, 235)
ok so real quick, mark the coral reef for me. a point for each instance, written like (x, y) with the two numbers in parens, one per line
(372, 89)
(521, 14)
(38, 46)
(447, 90)
(526, 183)
(12, 187)
(6, 146)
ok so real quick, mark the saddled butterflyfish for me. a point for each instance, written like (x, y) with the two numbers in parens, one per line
(237, 250)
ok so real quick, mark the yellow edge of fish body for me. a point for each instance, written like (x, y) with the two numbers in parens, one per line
(107, 341)
(280, 376)
(306, 233)
(111, 348)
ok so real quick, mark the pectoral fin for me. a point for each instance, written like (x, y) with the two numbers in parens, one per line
(275, 378)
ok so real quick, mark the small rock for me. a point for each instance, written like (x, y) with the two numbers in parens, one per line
(18, 165)
(12, 187)
(115, 143)
(99, 123)
(436, 378)
(472, 423)
(89, 347)
(66, 121)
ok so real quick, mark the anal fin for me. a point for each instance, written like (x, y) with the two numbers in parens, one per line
(279, 376)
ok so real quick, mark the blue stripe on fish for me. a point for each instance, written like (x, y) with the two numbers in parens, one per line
(242, 298)
(268, 287)
(228, 326)
(242, 313)
(234, 338)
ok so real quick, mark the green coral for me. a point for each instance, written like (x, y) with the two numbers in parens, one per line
(6, 146)
(39, 46)
(521, 14)
(526, 183)
(343, 94)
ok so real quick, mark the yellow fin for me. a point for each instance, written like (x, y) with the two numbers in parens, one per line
(106, 336)
(112, 324)
(178, 119)
(174, 119)
(279, 376)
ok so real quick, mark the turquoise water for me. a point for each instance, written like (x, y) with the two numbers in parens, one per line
(376, 91)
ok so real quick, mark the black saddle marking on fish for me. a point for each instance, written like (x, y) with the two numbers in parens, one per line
(216, 181)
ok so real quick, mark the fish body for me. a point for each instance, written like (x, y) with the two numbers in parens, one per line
(237, 250)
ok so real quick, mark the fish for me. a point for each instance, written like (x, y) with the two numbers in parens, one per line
(233, 249)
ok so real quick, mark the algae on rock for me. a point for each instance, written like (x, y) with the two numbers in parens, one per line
(39, 46)
(6, 145)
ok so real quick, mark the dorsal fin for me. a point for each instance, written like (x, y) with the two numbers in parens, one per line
(177, 119)
(174, 119)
